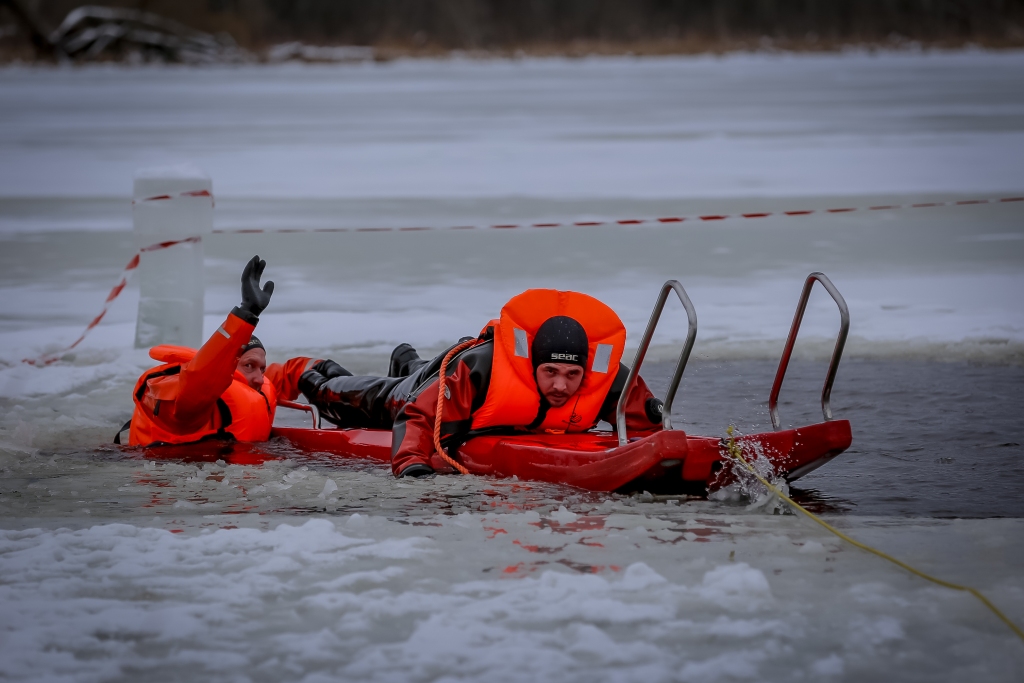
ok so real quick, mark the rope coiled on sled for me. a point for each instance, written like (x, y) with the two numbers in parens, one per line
(439, 413)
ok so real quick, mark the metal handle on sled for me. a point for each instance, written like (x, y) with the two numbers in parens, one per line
(684, 356)
(837, 354)
(304, 407)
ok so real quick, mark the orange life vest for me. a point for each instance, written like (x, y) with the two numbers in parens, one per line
(513, 399)
(241, 413)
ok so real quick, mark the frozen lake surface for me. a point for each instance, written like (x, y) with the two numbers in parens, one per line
(737, 126)
(115, 568)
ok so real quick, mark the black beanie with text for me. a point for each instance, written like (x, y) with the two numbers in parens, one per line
(254, 343)
(560, 340)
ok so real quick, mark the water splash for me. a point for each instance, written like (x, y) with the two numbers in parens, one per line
(743, 486)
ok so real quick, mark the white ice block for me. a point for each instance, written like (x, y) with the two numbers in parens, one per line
(171, 203)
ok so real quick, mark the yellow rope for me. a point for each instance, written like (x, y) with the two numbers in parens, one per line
(736, 452)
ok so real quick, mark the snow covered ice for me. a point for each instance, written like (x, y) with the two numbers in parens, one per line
(512, 596)
(115, 568)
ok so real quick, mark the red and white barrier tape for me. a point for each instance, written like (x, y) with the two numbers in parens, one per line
(637, 221)
(189, 193)
(46, 359)
(134, 262)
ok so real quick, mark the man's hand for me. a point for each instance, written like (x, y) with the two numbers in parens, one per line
(329, 369)
(319, 374)
(254, 299)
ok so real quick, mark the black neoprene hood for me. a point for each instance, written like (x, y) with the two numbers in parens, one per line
(254, 343)
(560, 340)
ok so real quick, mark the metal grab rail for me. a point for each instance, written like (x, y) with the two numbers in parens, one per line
(837, 353)
(645, 342)
(304, 407)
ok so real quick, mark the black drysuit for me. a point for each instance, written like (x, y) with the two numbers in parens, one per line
(405, 401)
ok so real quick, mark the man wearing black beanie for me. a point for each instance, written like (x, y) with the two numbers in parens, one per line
(559, 355)
(549, 364)
(223, 390)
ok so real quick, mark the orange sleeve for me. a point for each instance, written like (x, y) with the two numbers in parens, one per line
(209, 373)
(285, 376)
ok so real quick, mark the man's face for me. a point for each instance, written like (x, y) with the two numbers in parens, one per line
(557, 382)
(252, 364)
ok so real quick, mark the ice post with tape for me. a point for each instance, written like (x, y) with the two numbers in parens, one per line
(171, 203)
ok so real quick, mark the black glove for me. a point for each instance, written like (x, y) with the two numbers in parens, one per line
(254, 299)
(329, 369)
(655, 410)
(322, 372)
(309, 384)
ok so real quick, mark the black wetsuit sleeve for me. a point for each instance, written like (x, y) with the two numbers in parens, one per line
(347, 400)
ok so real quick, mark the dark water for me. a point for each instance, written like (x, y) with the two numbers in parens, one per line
(929, 439)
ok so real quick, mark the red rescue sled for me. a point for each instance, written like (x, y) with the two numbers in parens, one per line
(665, 462)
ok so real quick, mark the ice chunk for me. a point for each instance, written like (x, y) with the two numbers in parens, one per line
(591, 642)
(639, 576)
(563, 516)
(171, 203)
(728, 667)
(736, 585)
(467, 520)
(868, 633)
(329, 487)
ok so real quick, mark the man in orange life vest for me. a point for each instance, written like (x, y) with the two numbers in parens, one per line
(549, 363)
(222, 391)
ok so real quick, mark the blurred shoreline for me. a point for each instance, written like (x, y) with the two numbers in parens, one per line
(218, 31)
(329, 54)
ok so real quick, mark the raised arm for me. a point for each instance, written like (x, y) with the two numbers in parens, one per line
(209, 373)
